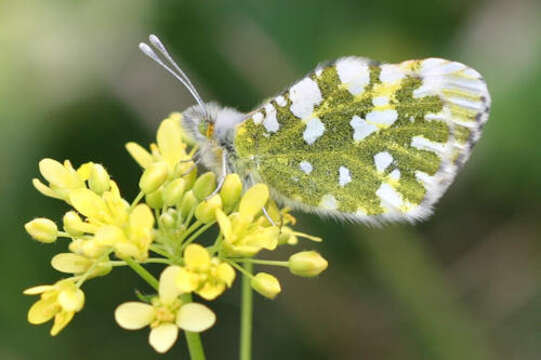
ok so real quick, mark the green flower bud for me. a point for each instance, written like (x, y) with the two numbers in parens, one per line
(172, 193)
(99, 179)
(155, 199)
(266, 284)
(42, 229)
(206, 210)
(204, 185)
(186, 171)
(187, 204)
(167, 220)
(153, 177)
(307, 264)
(231, 192)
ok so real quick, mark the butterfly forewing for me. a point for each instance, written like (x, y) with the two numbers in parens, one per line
(364, 141)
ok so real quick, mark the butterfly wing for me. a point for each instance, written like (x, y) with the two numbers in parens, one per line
(366, 142)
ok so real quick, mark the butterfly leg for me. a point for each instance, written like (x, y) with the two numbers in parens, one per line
(223, 174)
(192, 168)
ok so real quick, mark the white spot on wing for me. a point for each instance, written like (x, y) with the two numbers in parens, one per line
(271, 123)
(361, 128)
(422, 143)
(390, 73)
(380, 101)
(382, 160)
(344, 177)
(382, 117)
(389, 197)
(395, 175)
(258, 118)
(306, 167)
(304, 95)
(354, 73)
(314, 129)
(281, 101)
(328, 202)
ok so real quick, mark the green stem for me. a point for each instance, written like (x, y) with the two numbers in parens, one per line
(246, 315)
(195, 347)
(265, 262)
(195, 235)
(147, 261)
(137, 199)
(142, 272)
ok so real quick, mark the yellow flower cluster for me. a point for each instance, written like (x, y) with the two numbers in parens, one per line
(105, 231)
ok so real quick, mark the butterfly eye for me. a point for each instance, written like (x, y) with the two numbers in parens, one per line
(206, 129)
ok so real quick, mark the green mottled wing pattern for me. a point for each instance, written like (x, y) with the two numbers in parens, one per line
(363, 141)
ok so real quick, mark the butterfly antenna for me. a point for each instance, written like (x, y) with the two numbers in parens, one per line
(147, 50)
(154, 40)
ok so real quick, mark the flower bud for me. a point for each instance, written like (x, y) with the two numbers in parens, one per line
(266, 284)
(99, 179)
(307, 264)
(71, 299)
(154, 199)
(204, 186)
(153, 177)
(73, 223)
(206, 210)
(167, 220)
(173, 192)
(231, 192)
(42, 229)
(188, 203)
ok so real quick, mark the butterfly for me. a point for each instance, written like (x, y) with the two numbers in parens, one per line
(354, 139)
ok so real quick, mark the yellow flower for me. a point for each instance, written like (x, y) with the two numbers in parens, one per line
(62, 178)
(242, 235)
(61, 301)
(205, 276)
(114, 225)
(170, 149)
(165, 315)
(78, 264)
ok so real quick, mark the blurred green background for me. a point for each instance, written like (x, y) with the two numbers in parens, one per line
(463, 285)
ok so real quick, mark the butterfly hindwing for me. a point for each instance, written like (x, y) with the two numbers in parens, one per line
(364, 141)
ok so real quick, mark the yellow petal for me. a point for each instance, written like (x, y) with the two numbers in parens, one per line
(35, 290)
(253, 201)
(71, 300)
(225, 224)
(90, 205)
(141, 218)
(45, 190)
(169, 142)
(57, 174)
(134, 315)
(196, 257)
(43, 311)
(163, 337)
(169, 290)
(60, 321)
(139, 154)
(71, 263)
(211, 291)
(195, 317)
(110, 236)
(226, 273)
(126, 249)
(187, 281)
